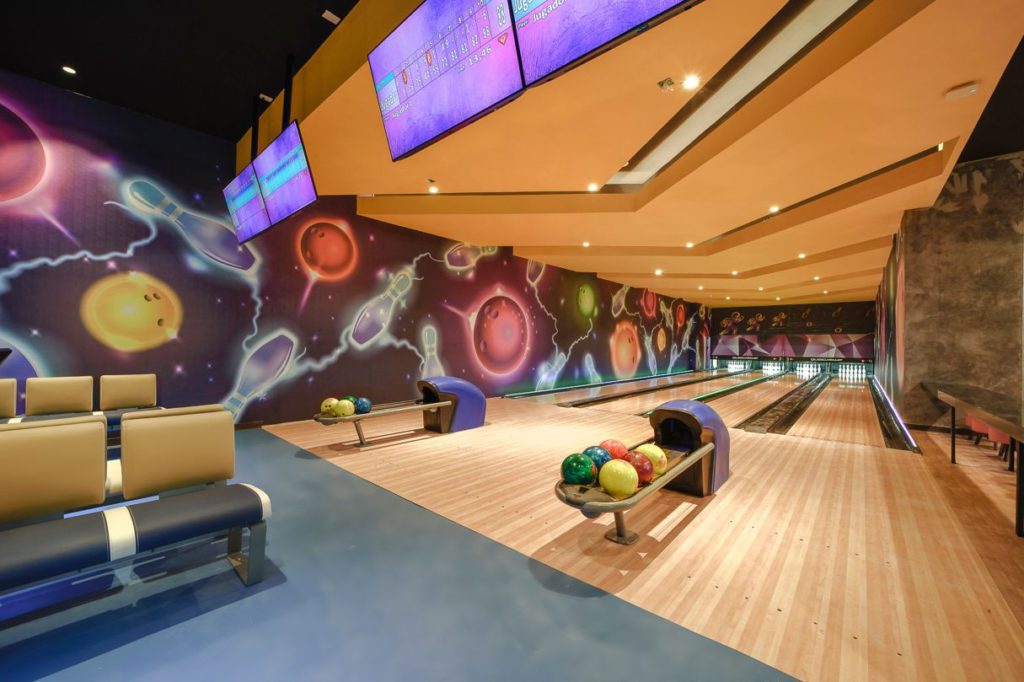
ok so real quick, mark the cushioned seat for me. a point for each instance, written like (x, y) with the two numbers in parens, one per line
(43, 551)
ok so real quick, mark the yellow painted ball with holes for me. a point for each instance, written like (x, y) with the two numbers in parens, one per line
(131, 312)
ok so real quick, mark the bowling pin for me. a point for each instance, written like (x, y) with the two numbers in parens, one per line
(464, 256)
(432, 366)
(375, 316)
(534, 271)
(619, 301)
(211, 237)
(260, 370)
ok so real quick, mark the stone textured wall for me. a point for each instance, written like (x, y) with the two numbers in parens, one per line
(964, 285)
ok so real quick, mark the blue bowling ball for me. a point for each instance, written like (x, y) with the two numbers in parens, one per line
(363, 405)
(598, 455)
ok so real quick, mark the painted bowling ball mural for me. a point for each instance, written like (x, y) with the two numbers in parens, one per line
(625, 350)
(649, 304)
(681, 316)
(586, 301)
(660, 339)
(131, 312)
(500, 335)
(328, 250)
(22, 158)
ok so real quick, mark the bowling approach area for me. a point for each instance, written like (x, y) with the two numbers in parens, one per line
(512, 340)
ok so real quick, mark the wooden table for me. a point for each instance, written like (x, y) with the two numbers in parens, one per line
(999, 411)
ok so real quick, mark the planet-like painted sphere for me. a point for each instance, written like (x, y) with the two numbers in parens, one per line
(661, 339)
(22, 157)
(649, 304)
(578, 469)
(681, 316)
(328, 250)
(586, 301)
(619, 479)
(500, 335)
(625, 350)
(598, 455)
(131, 312)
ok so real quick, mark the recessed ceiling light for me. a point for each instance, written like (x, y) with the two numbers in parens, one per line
(825, 292)
(689, 245)
(760, 288)
(802, 255)
(691, 82)
(735, 272)
(593, 187)
(961, 91)
(69, 70)
(433, 189)
(942, 145)
(657, 272)
(586, 245)
(700, 288)
(331, 17)
(728, 298)
(816, 278)
(773, 209)
(778, 298)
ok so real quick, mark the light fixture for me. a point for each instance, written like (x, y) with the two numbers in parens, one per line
(961, 91)
(816, 278)
(433, 189)
(689, 245)
(691, 82)
(700, 287)
(728, 298)
(825, 292)
(331, 17)
(266, 98)
(777, 298)
(586, 245)
(657, 272)
(802, 255)
(735, 272)
(773, 209)
(69, 70)
(942, 145)
(760, 288)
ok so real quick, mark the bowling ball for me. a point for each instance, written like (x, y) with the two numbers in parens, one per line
(363, 405)
(328, 250)
(577, 468)
(586, 301)
(619, 479)
(350, 398)
(661, 339)
(649, 303)
(344, 408)
(22, 158)
(659, 460)
(131, 312)
(624, 346)
(643, 466)
(598, 455)
(616, 448)
(500, 335)
(328, 405)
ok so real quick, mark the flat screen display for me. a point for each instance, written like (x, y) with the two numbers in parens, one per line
(449, 62)
(245, 204)
(555, 33)
(283, 174)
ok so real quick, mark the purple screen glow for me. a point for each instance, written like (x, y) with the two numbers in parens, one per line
(554, 33)
(449, 61)
(283, 174)
(245, 204)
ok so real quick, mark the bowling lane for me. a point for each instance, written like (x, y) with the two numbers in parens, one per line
(736, 407)
(617, 389)
(843, 412)
(648, 401)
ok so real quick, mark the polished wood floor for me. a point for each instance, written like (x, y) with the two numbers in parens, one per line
(617, 389)
(829, 560)
(636, 404)
(844, 411)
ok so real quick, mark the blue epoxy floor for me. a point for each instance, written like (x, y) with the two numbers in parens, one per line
(363, 585)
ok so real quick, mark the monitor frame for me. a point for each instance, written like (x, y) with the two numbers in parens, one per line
(312, 180)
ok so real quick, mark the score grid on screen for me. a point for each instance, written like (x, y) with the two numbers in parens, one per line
(283, 174)
(245, 204)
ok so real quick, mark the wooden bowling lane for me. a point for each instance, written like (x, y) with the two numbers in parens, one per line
(828, 560)
(648, 401)
(616, 389)
(736, 407)
(843, 412)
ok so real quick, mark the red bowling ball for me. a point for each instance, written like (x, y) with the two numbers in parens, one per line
(617, 449)
(643, 466)
(500, 334)
(328, 250)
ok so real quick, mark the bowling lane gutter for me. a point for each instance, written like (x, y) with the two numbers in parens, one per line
(722, 392)
(533, 394)
(587, 402)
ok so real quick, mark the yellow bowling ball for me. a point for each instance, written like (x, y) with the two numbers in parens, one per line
(131, 312)
(659, 460)
(619, 479)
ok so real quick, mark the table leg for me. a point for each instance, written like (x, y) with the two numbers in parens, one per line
(359, 432)
(952, 435)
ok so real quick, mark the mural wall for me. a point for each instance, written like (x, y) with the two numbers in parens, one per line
(836, 331)
(116, 256)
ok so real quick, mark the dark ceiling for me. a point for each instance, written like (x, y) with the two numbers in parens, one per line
(198, 63)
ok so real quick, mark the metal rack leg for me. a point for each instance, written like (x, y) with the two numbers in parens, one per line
(952, 435)
(620, 534)
(1020, 501)
(1011, 453)
(359, 432)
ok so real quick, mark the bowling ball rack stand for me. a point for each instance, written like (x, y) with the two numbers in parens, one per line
(592, 501)
(356, 419)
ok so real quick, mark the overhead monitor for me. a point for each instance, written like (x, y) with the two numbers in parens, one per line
(556, 34)
(282, 171)
(448, 63)
(245, 205)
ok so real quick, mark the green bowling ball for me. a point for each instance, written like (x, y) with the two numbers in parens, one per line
(577, 468)
(350, 398)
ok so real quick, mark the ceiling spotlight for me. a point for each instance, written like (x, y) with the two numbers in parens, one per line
(942, 145)
(777, 298)
(802, 255)
(433, 189)
(593, 187)
(657, 272)
(689, 245)
(760, 288)
(331, 17)
(728, 298)
(69, 70)
(825, 292)
(961, 91)
(773, 209)
(586, 245)
(266, 98)
(691, 82)
(735, 272)
(816, 278)
(700, 288)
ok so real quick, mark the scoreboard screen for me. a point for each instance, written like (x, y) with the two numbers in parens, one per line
(282, 170)
(554, 34)
(245, 205)
(448, 63)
